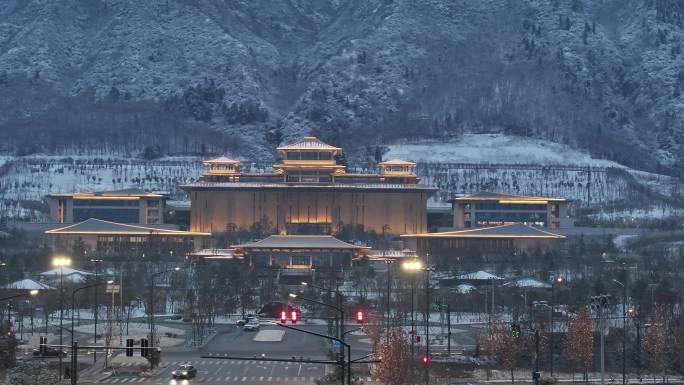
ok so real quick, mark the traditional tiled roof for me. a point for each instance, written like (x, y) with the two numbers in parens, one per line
(28, 284)
(97, 226)
(480, 275)
(396, 162)
(317, 186)
(309, 143)
(64, 271)
(221, 159)
(528, 283)
(491, 196)
(300, 242)
(130, 192)
(514, 230)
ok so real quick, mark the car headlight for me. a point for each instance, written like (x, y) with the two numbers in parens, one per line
(174, 372)
(185, 373)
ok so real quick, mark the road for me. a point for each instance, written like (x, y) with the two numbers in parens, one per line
(233, 342)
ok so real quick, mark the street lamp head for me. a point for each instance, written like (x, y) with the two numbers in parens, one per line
(292, 295)
(176, 268)
(61, 261)
(34, 292)
(414, 265)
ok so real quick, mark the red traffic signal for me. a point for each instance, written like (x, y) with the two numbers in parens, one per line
(360, 316)
(426, 360)
(283, 316)
(294, 316)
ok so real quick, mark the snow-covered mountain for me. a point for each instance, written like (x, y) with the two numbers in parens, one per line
(605, 76)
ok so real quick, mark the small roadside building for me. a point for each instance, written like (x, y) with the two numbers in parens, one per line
(119, 239)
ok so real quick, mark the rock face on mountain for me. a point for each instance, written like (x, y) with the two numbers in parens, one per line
(604, 75)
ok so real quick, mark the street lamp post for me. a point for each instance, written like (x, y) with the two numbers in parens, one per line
(97, 307)
(61, 262)
(152, 302)
(416, 266)
(624, 328)
(556, 280)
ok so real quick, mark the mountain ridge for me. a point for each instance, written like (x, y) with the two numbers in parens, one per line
(600, 75)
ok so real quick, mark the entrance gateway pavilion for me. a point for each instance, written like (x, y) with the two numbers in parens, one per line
(297, 257)
(308, 192)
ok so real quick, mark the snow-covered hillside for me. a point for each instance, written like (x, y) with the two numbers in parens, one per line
(517, 165)
(495, 149)
(32, 178)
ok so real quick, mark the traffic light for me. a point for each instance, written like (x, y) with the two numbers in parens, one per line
(283, 316)
(426, 360)
(360, 316)
(42, 347)
(144, 344)
(9, 333)
(294, 316)
(129, 347)
(515, 330)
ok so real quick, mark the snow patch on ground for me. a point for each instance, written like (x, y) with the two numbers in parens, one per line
(495, 148)
(653, 212)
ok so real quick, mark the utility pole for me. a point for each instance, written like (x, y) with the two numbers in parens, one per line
(624, 329)
(427, 318)
(448, 308)
(389, 292)
(600, 304)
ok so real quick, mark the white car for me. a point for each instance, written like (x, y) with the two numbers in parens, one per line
(252, 326)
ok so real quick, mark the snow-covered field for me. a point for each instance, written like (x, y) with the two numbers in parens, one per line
(496, 149)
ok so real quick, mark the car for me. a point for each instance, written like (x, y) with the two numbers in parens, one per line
(241, 322)
(185, 371)
(49, 352)
(252, 326)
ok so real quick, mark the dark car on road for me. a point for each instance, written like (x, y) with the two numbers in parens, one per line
(184, 372)
(49, 352)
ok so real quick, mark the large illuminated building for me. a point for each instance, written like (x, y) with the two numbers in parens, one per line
(309, 192)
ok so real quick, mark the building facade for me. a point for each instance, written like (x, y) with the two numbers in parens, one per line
(486, 209)
(503, 239)
(308, 192)
(123, 206)
(125, 240)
